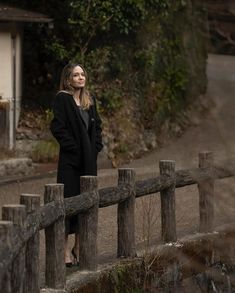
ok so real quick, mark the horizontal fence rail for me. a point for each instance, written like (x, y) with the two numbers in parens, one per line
(20, 225)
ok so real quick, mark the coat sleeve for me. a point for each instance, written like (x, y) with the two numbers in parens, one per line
(59, 128)
(98, 138)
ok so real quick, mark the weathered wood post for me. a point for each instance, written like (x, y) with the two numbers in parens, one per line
(126, 216)
(16, 214)
(55, 238)
(88, 227)
(168, 233)
(206, 207)
(32, 203)
(6, 238)
(206, 193)
(167, 169)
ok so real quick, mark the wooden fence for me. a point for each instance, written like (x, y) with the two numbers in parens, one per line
(21, 223)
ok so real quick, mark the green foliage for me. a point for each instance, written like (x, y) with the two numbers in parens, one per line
(96, 64)
(58, 49)
(122, 148)
(93, 23)
(45, 151)
(45, 120)
(125, 279)
(164, 64)
(173, 77)
(129, 47)
(111, 98)
(95, 27)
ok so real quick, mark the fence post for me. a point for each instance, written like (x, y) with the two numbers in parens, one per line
(167, 169)
(32, 203)
(16, 214)
(206, 194)
(206, 208)
(126, 216)
(88, 226)
(5, 237)
(55, 236)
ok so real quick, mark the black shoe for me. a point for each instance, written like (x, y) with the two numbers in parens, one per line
(68, 264)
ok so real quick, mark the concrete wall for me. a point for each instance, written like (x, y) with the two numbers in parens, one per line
(11, 72)
(6, 65)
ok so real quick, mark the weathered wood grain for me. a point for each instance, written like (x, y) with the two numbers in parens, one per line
(168, 231)
(113, 195)
(80, 203)
(126, 216)
(206, 194)
(6, 228)
(31, 284)
(16, 214)
(88, 226)
(55, 237)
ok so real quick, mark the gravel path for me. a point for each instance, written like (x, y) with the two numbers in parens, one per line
(215, 133)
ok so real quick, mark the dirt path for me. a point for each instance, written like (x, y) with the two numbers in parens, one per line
(215, 133)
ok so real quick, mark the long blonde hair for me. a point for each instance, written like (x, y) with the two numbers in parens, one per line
(65, 79)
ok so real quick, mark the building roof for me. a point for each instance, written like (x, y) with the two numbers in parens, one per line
(8, 13)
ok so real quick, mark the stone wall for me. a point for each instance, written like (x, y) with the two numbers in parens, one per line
(16, 167)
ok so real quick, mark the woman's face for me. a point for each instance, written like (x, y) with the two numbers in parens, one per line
(78, 78)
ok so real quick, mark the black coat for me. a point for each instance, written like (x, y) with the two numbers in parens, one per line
(79, 146)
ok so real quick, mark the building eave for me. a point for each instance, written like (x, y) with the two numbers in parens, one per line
(13, 14)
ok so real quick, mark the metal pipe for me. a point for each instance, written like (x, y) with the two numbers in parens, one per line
(14, 88)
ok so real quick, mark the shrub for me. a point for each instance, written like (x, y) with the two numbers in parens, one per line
(45, 151)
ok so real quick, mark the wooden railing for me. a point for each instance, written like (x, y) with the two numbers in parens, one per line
(21, 223)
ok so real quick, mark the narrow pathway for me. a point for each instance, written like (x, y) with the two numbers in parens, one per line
(214, 133)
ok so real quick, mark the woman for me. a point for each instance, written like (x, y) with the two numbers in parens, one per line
(77, 127)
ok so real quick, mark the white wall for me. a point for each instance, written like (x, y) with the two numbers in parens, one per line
(6, 65)
(6, 89)
(6, 72)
